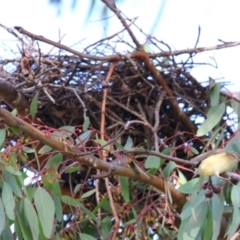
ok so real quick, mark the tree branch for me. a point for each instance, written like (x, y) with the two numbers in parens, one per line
(178, 198)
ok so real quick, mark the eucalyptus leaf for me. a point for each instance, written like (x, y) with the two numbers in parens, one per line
(8, 200)
(214, 116)
(33, 106)
(125, 188)
(2, 216)
(86, 124)
(2, 136)
(32, 218)
(190, 186)
(152, 162)
(46, 209)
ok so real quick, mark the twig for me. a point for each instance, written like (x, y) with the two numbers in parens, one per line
(136, 54)
(104, 155)
(158, 154)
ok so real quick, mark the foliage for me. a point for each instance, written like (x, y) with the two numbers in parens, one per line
(102, 144)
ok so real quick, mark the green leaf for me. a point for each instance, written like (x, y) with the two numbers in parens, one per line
(167, 152)
(58, 207)
(88, 213)
(15, 130)
(125, 188)
(208, 228)
(46, 209)
(217, 206)
(7, 234)
(215, 94)
(22, 229)
(33, 106)
(195, 224)
(181, 178)
(8, 200)
(190, 186)
(54, 161)
(76, 188)
(2, 136)
(84, 137)
(70, 201)
(88, 193)
(236, 106)
(86, 124)
(214, 116)
(2, 217)
(72, 169)
(169, 168)
(32, 218)
(106, 226)
(235, 197)
(128, 145)
(64, 132)
(45, 149)
(152, 162)
(13, 170)
(194, 150)
(233, 144)
(103, 142)
(10, 179)
(103, 202)
(84, 236)
(216, 135)
(29, 150)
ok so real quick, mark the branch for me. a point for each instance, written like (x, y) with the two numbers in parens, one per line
(13, 98)
(120, 57)
(178, 198)
(158, 154)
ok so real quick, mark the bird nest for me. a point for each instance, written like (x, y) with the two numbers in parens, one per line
(70, 88)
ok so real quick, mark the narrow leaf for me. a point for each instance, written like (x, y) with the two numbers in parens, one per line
(88, 213)
(45, 149)
(58, 207)
(128, 144)
(169, 168)
(54, 161)
(32, 218)
(33, 106)
(86, 124)
(217, 211)
(125, 188)
(2, 217)
(215, 94)
(2, 136)
(11, 180)
(8, 200)
(214, 116)
(46, 209)
(88, 193)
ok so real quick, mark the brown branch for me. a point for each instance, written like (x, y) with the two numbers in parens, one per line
(156, 74)
(178, 198)
(113, 8)
(174, 103)
(158, 154)
(120, 57)
(13, 98)
(104, 154)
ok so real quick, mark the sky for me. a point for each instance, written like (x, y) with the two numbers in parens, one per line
(178, 26)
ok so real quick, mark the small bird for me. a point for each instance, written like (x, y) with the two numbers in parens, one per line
(217, 162)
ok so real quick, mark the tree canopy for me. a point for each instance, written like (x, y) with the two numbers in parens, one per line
(103, 144)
